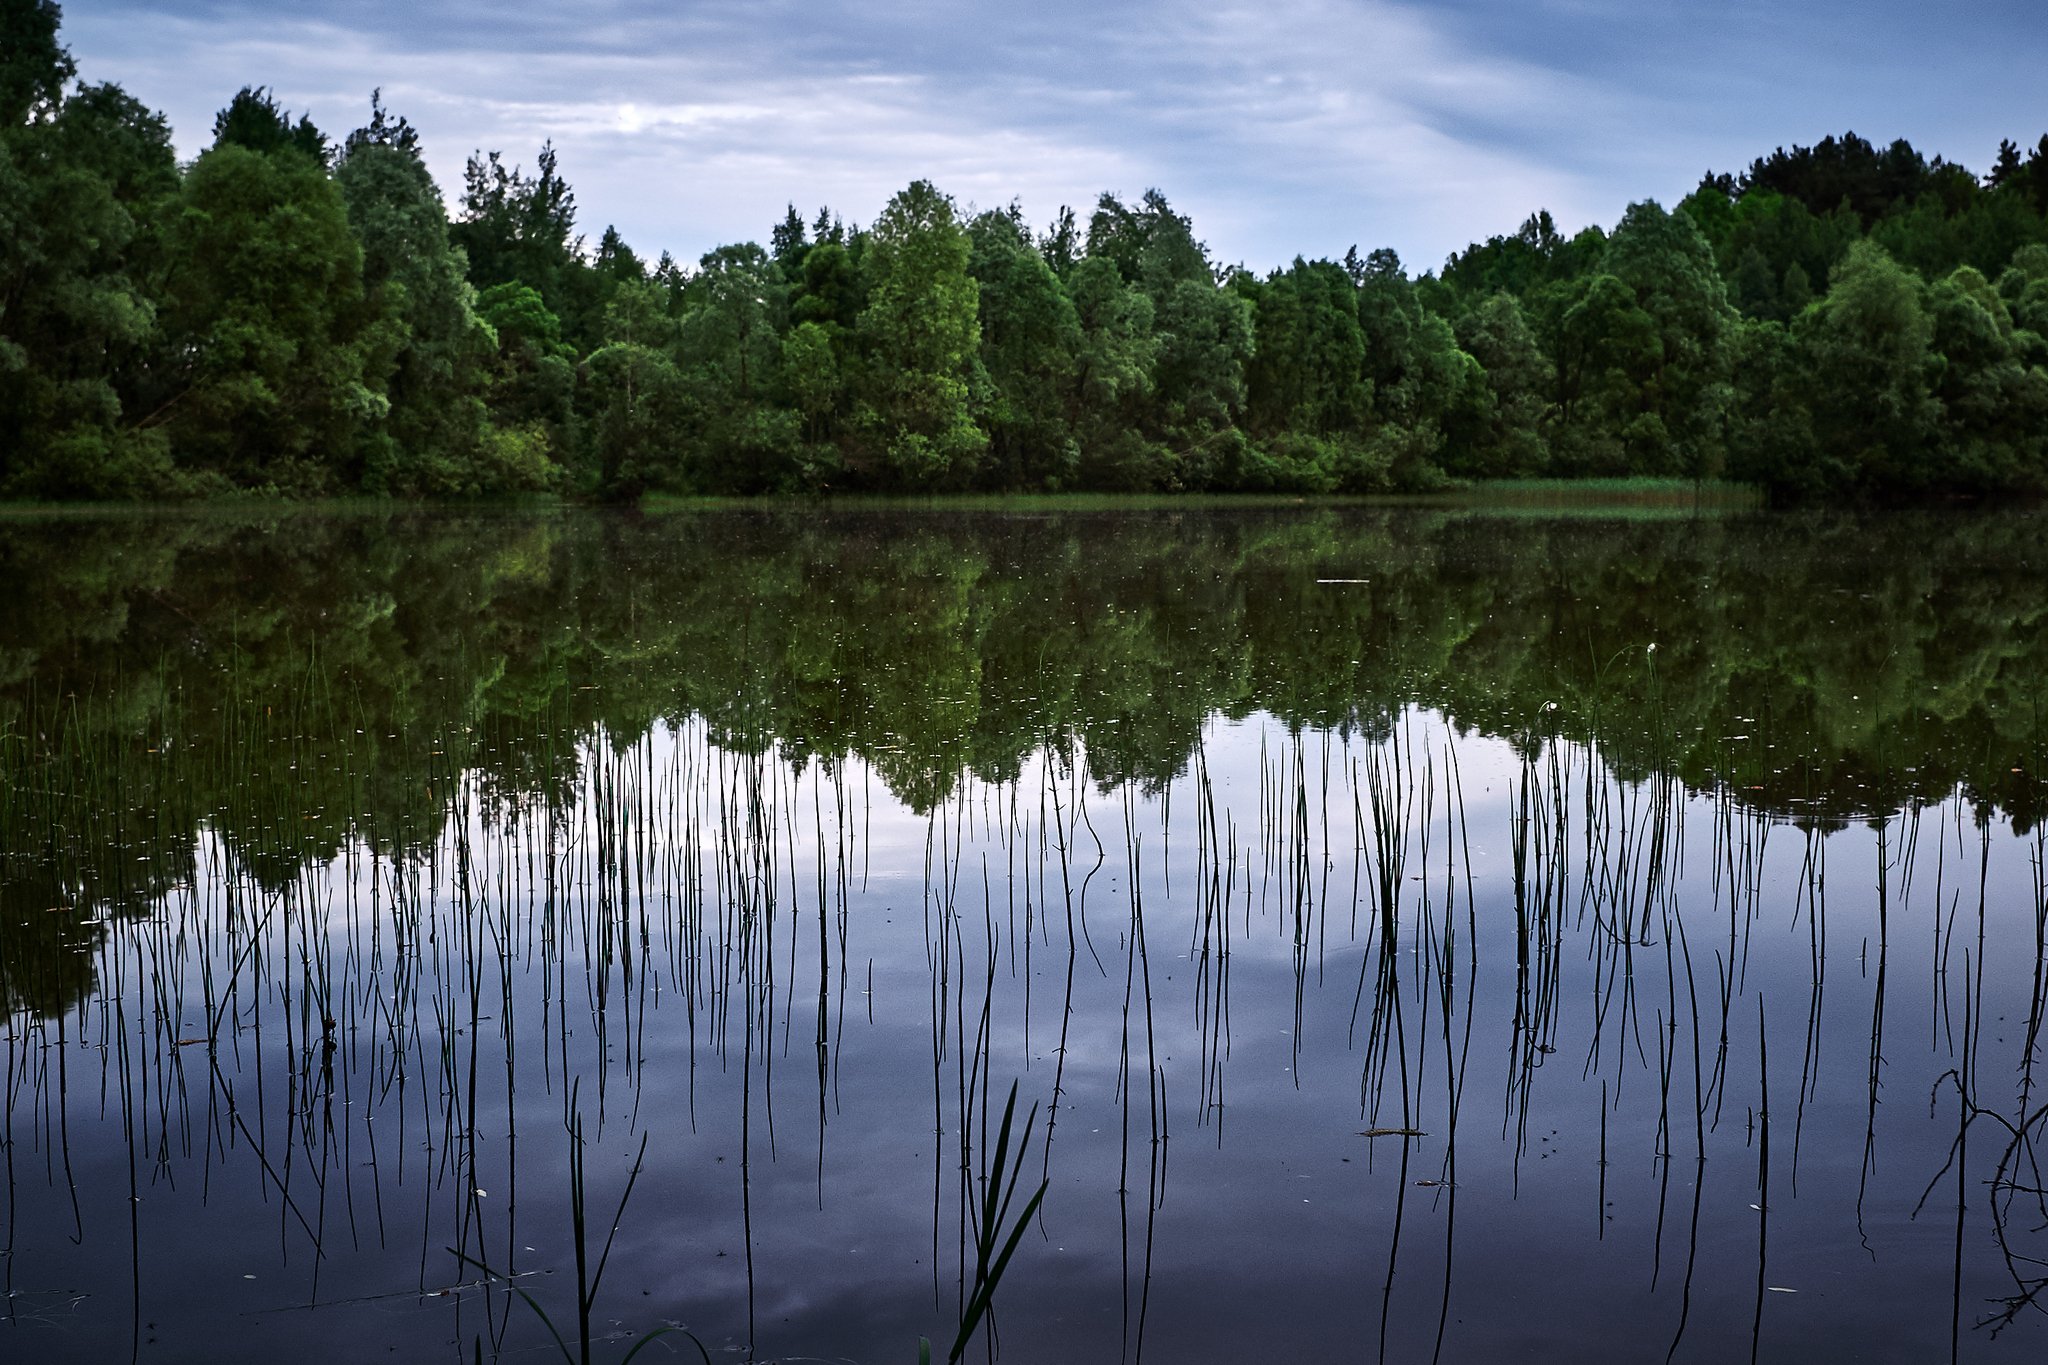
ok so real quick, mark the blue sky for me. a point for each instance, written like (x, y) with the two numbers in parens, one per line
(1282, 127)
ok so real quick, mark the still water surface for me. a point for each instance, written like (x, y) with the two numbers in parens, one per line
(1423, 935)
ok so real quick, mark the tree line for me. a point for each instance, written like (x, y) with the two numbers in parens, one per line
(287, 313)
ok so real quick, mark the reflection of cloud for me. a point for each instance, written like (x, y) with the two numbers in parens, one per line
(1282, 127)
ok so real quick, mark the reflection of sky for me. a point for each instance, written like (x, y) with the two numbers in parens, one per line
(1298, 126)
(1275, 1234)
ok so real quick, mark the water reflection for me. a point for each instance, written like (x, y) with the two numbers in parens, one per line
(1408, 965)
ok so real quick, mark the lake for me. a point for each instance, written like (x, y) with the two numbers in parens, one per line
(1412, 934)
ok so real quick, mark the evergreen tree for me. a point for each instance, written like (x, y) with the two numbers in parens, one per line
(788, 240)
(517, 227)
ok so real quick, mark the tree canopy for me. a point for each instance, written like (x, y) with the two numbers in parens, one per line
(294, 313)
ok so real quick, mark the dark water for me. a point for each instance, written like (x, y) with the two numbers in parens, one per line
(1665, 894)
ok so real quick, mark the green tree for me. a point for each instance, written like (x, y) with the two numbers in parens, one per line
(1204, 339)
(1680, 383)
(1309, 373)
(1061, 244)
(435, 438)
(1506, 437)
(253, 119)
(788, 240)
(1029, 337)
(1754, 287)
(616, 261)
(730, 330)
(1112, 376)
(1418, 376)
(84, 192)
(829, 291)
(1864, 361)
(267, 322)
(920, 339)
(633, 398)
(517, 227)
(2024, 287)
(742, 439)
(1168, 253)
(810, 371)
(1537, 254)
(1796, 292)
(34, 66)
(1600, 340)
(1994, 435)
(532, 386)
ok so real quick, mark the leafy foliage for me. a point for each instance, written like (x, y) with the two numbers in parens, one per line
(34, 66)
(1841, 320)
(920, 335)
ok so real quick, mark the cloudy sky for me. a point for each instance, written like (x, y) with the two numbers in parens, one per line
(1282, 127)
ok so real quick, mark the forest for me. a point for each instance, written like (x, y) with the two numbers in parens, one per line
(296, 315)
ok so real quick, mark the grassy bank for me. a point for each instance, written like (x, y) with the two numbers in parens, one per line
(1641, 495)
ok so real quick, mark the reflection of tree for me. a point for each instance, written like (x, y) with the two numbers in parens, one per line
(84, 839)
(290, 682)
(46, 944)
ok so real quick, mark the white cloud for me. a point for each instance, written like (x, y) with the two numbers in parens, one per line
(683, 149)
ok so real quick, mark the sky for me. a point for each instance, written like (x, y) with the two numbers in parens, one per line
(1281, 127)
